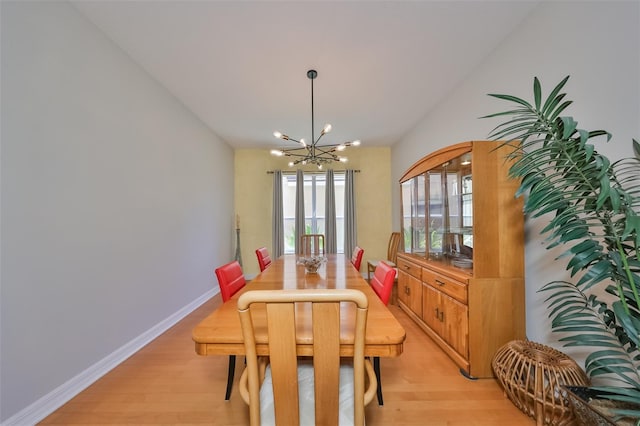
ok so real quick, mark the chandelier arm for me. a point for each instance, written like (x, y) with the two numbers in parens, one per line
(335, 145)
(319, 137)
(293, 154)
(297, 148)
(325, 151)
(326, 155)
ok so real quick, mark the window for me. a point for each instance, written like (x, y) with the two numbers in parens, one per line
(314, 195)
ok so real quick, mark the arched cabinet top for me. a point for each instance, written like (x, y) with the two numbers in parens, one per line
(435, 159)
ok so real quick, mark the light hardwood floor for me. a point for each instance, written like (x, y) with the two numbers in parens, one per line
(167, 383)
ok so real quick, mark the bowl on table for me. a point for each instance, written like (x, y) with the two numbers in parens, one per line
(311, 264)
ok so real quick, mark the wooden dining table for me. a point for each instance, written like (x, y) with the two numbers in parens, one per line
(220, 332)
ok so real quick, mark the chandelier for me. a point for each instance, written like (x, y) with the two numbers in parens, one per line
(312, 153)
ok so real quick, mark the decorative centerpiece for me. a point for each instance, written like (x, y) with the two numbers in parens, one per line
(311, 264)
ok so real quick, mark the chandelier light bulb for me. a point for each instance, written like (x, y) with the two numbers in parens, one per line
(304, 162)
(319, 166)
(327, 128)
(277, 152)
(291, 164)
(356, 142)
(341, 147)
(343, 159)
(280, 135)
(303, 143)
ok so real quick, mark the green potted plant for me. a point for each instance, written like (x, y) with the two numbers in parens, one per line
(593, 206)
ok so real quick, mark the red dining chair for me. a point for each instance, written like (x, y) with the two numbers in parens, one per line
(356, 257)
(231, 280)
(264, 259)
(382, 283)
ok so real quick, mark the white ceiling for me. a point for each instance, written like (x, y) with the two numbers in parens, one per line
(240, 66)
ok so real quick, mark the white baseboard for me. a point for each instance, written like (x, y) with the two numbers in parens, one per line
(63, 393)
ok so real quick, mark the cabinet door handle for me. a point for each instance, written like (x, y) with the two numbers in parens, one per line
(440, 283)
(441, 316)
(437, 313)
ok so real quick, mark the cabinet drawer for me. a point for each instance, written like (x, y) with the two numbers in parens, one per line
(446, 285)
(410, 268)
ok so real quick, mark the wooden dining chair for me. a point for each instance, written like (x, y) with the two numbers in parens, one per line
(356, 257)
(382, 284)
(392, 254)
(312, 244)
(264, 260)
(231, 280)
(285, 390)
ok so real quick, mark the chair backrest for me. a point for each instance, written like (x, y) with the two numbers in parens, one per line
(394, 246)
(356, 257)
(382, 281)
(264, 259)
(312, 244)
(281, 307)
(230, 279)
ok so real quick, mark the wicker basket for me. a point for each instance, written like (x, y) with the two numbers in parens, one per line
(532, 376)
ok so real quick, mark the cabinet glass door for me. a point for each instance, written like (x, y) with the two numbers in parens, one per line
(407, 228)
(436, 217)
(413, 210)
(458, 239)
(450, 213)
(467, 209)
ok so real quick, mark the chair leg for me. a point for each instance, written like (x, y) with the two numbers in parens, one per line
(376, 369)
(230, 374)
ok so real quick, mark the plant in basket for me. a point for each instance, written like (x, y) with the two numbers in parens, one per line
(593, 205)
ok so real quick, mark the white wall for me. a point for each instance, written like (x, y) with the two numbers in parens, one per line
(116, 201)
(598, 44)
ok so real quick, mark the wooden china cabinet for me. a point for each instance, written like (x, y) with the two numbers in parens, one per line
(461, 273)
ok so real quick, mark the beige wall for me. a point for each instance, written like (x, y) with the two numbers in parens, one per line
(253, 204)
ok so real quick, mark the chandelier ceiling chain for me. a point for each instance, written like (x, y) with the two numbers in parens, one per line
(312, 153)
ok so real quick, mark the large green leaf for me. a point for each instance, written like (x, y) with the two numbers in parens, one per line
(555, 97)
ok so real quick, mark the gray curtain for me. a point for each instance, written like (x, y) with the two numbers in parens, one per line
(330, 233)
(350, 223)
(277, 228)
(300, 228)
